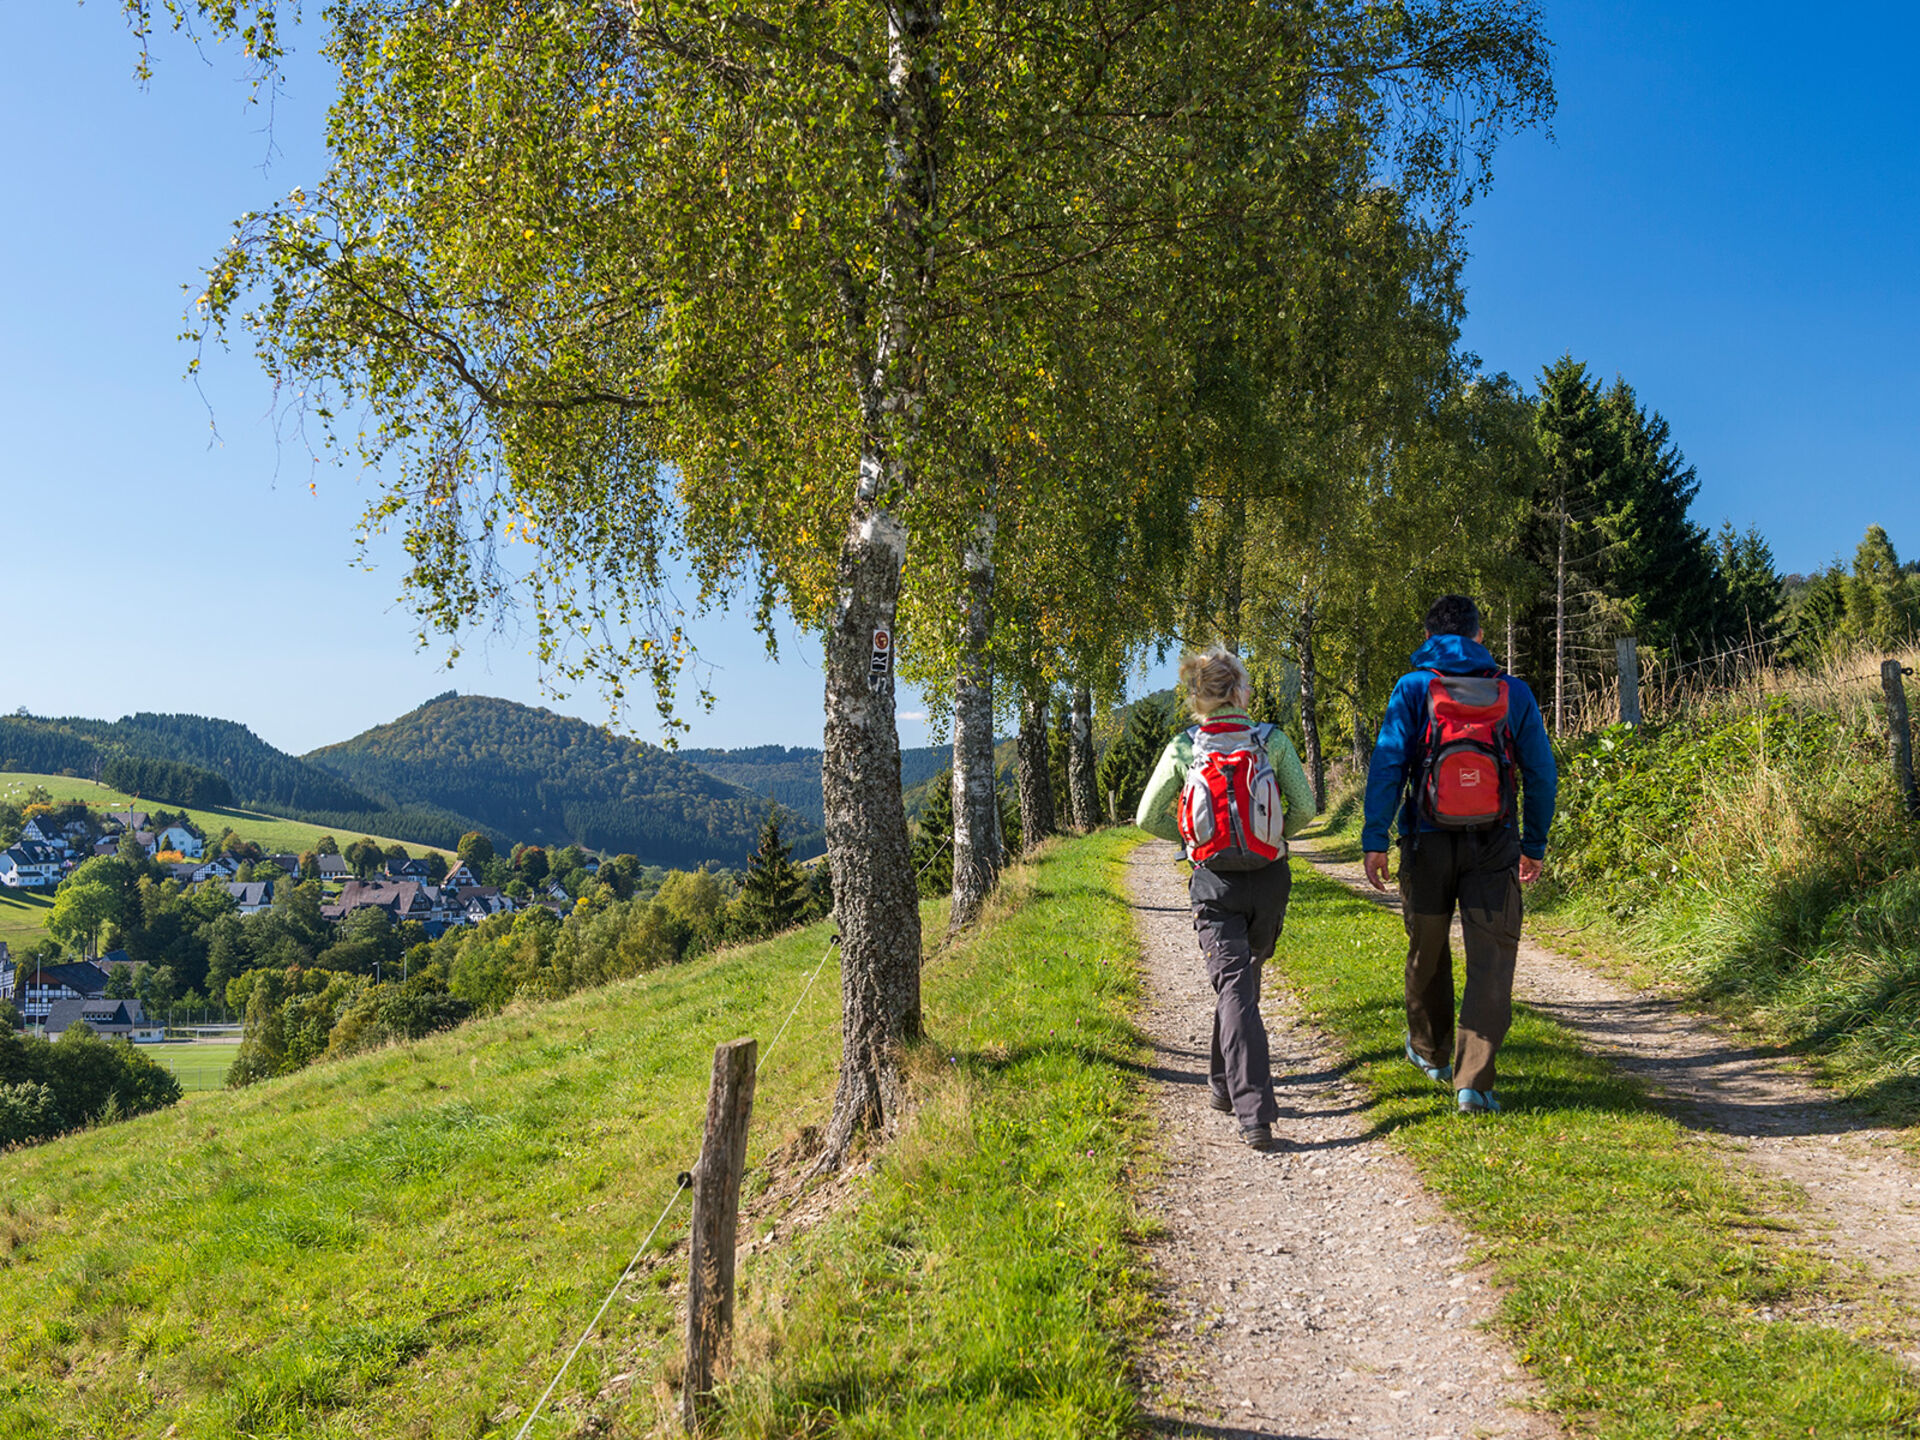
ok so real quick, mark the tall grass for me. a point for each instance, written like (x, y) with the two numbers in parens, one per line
(1749, 841)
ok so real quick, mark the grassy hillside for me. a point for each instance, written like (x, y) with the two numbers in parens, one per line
(542, 777)
(248, 772)
(1752, 848)
(407, 1244)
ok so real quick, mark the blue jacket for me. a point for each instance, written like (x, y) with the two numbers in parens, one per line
(1397, 757)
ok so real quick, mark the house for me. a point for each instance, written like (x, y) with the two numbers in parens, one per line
(461, 878)
(182, 870)
(221, 867)
(180, 838)
(129, 819)
(123, 1018)
(30, 865)
(45, 986)
(333, 868)
(410, 870)
(401, 899)
(557, 893)
(591, 864)
(289, 864)
(474, 903)
(42, 831)
(109, 845)
(253, 896)
(8, 975)
(146, 841)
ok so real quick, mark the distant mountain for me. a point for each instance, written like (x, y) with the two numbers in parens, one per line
(547, 779)
(792, 775)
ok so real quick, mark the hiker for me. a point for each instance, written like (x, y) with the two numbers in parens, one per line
(1454, 732)
(1218, 790)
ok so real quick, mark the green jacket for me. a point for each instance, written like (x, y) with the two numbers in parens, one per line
(1157, 800)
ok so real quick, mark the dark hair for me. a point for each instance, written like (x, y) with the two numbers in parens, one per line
(1453, 615)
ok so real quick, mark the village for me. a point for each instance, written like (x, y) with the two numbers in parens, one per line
(53, 993)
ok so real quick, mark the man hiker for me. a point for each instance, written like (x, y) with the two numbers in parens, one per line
(1455, 730)
(1218, 789)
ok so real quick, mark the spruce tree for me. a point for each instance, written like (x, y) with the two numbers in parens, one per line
(932, 849)
(773, 897)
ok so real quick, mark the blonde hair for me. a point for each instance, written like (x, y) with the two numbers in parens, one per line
(1214, 679)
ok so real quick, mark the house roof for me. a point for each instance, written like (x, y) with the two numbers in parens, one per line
(333, 865)
(32, 852)
(252, 893)
(98, 1014)
(399, 898)
(131, 819)
(82, 977)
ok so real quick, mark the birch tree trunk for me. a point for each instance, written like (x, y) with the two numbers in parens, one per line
(1080, 784)
(977, 850)
(1315, 762)
(1036, 787)
(1233, 555)
(876, 904)
(1362, 737)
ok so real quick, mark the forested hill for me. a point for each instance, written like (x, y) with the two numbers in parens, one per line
(194, 760)
(791, 775)
(547, 779)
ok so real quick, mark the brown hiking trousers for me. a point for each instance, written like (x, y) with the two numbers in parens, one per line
(1477, 870)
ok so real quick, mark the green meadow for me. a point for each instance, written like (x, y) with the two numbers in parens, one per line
(408, 1243)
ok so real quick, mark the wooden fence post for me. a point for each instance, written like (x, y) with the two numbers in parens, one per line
(1628, 656)
(1899, 736)
(716, 1214)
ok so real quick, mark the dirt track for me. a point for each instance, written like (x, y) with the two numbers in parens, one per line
(1318, 1292)
(1862, 1192)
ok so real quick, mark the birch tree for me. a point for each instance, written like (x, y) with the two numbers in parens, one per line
(594, 285)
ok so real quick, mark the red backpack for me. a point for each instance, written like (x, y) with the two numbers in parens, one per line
(1229, 809)
(1466, 781)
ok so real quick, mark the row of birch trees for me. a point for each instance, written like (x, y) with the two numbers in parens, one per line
(991, 342)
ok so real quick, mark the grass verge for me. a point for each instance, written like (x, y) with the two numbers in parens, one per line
(987, 1284)
(406, 1244)
(1643, 1281)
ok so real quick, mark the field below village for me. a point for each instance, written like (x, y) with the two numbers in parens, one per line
(197, 1065)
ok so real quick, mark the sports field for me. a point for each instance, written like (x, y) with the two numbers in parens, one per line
(197, 1066)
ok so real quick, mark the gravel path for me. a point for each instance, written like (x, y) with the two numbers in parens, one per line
(1862, 1192)
(1318, 1292)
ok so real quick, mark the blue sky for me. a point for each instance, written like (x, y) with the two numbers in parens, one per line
(1727, 215)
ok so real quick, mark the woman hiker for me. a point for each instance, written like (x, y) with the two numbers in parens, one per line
(1218, 790)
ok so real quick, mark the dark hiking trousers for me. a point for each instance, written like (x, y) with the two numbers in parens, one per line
(1237, 916)
(1476, 869)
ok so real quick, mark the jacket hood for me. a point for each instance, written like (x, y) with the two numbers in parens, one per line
(1454, 655)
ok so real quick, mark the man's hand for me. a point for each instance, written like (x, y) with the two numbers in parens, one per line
(1377, 869)
(1529, 869)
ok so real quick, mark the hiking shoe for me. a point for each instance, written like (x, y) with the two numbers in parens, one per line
(1258, 1137)
(1439, 1074)
(1220, 1103)
(1477, 1102)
